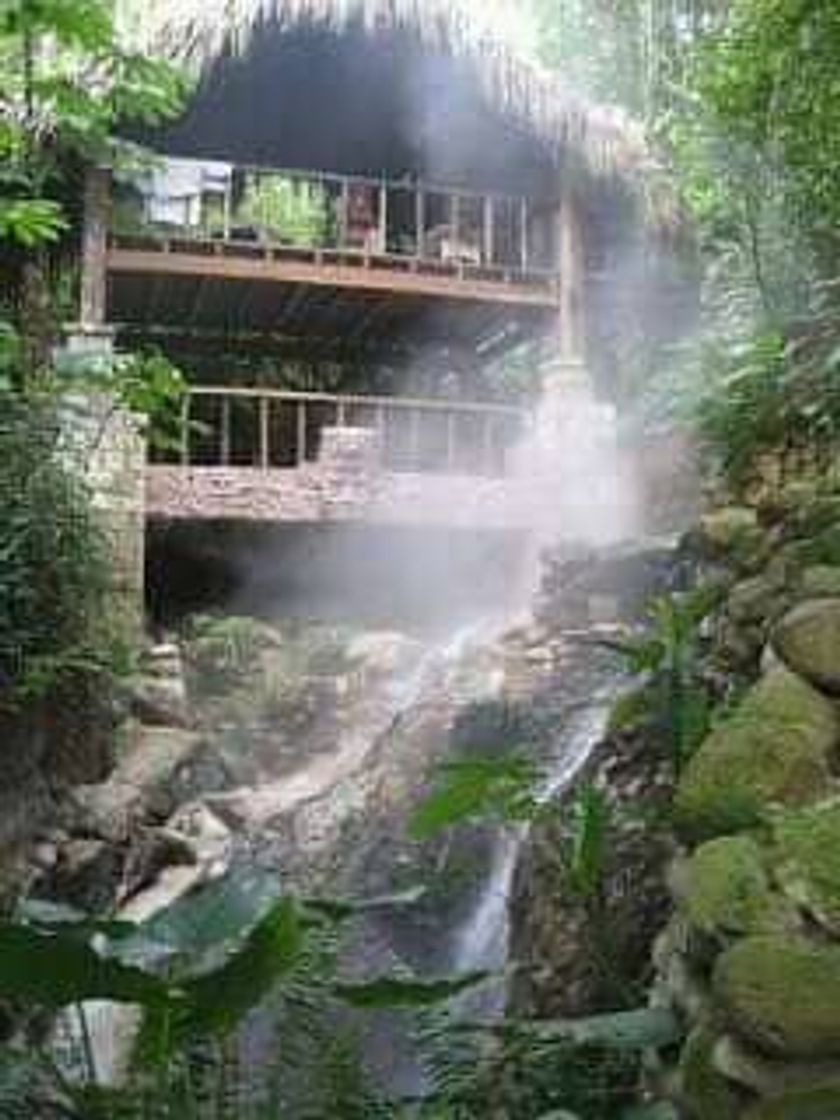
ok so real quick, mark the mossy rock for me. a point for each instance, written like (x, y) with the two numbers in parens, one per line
(729, 526)
(807, 843)
(774, 749)
(820, 1103)
(756, 599)
(820, 581)
(782, 994)
(632, 710)
(807, 639)
(824, 548)
(813, 515)
(728, 890)
(705, 1092)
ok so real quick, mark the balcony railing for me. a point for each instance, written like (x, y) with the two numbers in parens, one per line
(398, 223)
(274, 429)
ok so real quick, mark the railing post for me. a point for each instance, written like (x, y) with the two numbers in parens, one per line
(341, 412)
(451, 425)
(344, 215)
(414, 438)
(301, 433)
(185, 429)
(488, 229)
(383, 218)
(224, 446)
(523, 233)
(420, 221)
(488, 433)
(264, 450)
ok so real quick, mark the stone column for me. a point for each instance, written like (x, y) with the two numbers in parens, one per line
(107, 446)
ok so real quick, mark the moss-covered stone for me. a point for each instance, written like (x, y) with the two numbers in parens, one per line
(808, 859)
(782, 994)
(824, 548)
(756, 599)
(729, 527)
(632, 710)
(808, 641)
(728, 890)
(774, 749)
(706, 1093)
(820, 581)
(820, 1103)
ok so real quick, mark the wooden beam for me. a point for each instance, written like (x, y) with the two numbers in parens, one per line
(289, 271)
(96, 219)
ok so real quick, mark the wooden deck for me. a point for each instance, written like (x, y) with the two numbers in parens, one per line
(379, 273)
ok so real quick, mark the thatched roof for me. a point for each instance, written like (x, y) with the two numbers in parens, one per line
(605, 140)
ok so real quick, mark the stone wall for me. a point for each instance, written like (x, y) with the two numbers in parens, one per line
(346, 483)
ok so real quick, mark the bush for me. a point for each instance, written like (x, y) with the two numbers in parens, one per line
(55, 621)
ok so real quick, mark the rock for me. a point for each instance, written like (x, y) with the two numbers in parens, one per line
(769, 1076)
(206, 836)
(807, 843)
(728, 890)
(821, 1103)
(808, 640)
(382, 653)
(820, 581)
(149, 765)
(756, 599)
(110, 811)
(782, 994)
(706, 1093)
(160, 701)
(728, 527)
(775, 748)
(86, 875)
(155, 850)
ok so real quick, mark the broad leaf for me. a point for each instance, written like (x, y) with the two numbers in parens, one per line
(54, 970)
(387, 991)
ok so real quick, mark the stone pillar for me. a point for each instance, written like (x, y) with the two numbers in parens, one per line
(106, 444)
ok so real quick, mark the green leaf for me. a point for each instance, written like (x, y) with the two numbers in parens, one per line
(54, 970)
(208, 921)
(387, 991)
(339, 910)
(476, 789)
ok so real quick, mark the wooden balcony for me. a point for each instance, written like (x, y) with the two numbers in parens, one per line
(259, 249)
(263, 455)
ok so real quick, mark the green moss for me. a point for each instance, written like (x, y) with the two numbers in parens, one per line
(808, 846)
(819, 581)
(774, 749)
(728, 890)
(782, 994)
(820, 1103)
(730, 527)
(808, 640)
(707, 1094)
(632, 710)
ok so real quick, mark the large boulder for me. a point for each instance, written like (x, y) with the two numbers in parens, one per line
(819, 1103)
(808, 640)
(782, 994)
(729, 528)
(705, 1092)
(776, 748)
(807, 843)
(820, 581)
(727, 890)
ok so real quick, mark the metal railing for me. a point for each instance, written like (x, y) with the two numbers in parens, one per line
(385, 220)
(277, 429)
